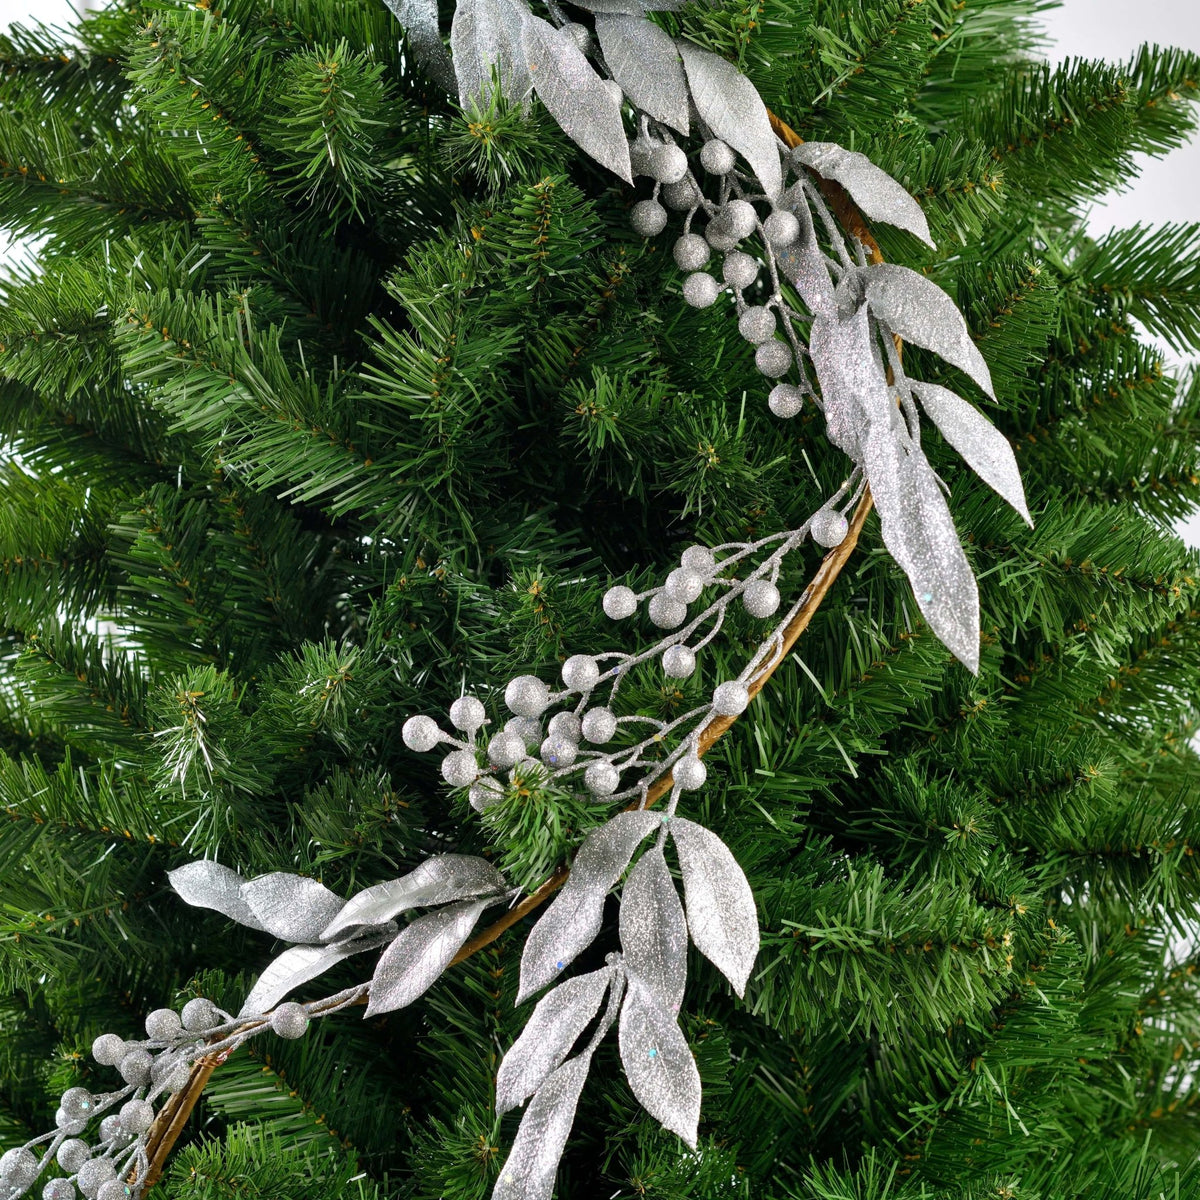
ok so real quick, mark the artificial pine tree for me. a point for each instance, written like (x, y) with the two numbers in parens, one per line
(329, 398)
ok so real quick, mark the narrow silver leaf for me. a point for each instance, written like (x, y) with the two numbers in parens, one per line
(921, 313)
(653, 930)
(486, 34)
(208, 884)
(802, 261)
(985, 449)
(528, 1172)
(876, 193)
(553, 1028)
(729, 104)
(300, 964)
(291, 907)
(437, 880)
(658, 1062)
(571, 923)
(420, 21)
(408, 967)
(575, 96)
(720, 905)
(646, 65)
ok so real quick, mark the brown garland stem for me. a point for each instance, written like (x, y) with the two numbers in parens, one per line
(173, 1116)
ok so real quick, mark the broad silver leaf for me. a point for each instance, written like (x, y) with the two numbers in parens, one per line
(437, 880)
(720, 906)
(802, 261)
(729, 104)
(486, 34)
(986, 450)
(658, 1062)
(646, 65)
(291, 907)
(420, 21)
(208, 884)
(409, 966)
(851, 382)
(552, 1030)
(528, 1172)
(572, 921)
(298, 965)
(919, 533)
(876, 193)
(653, 930)
(921, 313)
(575, 96)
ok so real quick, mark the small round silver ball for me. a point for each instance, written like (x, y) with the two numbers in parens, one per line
(94, 1174)
(773, 358)
(668, 164)
(459, 768)
(69, 1125)
(558, 752)
(163, 1025)
(689, 773)
(719, 234)
(135, 1067)
(564, 725)
(72, 1154)
(684, 585)
(829, 528)
(598, 725)
(107, 1049)
(289, 1020)
(741, 218)
(700, 290)
(527, 696)
(485, 791)
(581, 35)
(716, 157)
(528, 729)
(77, 1102)
(690, 252)
(467, 714)
(730, 698)
(199, 1016)
(665, 611)
(648, 218)
(136, 1116)
(680, 196)
(620, 602)
(18, 1168)
(580, 673)
(781, 229)
(739, 269)
(111, 1130)
(59, 1189)
(420, 734)
(761, 598)
(699, 559)
(757, 324)
(601, 778)
(614, 91)
(114, 1189)
(678, 661)
(506, 749)
(785, 400)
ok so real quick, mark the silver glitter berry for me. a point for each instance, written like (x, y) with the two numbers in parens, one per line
(94, 1174)
(599, 725)
(484, 792)
(716, 157)
(684, 585)
(700, 290)
(756, 324)
(619, 601)
(114, 1189)
(72, 1154)
(678, 661)
(76, 1103)
(107, 1049)
(682, 195)
(699, 559)
(781, 229)
(668, 164)
(601, 778)
(18, 1168)
(289, 1020)
(690, 773)
(739, 269)
(565, 725)
(648, 218)
(785, 400)
(665, 611)
(506, 749)
(730, 698)
(773, 358)
(558, 752)
(527, 696)
(136, 1116)
(420, 734)
(528, 729)
(829, 528)
(163, 1025)
(741, 218)
(719, 233)
(467, 714)
(135, 1066)
(761, 598)
(580, 673)
(690, 252)
(69, 1125)
(59, 1189)
(459, 768)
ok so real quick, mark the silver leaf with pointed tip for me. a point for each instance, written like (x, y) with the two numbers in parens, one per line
(658, 1062)
(921, 313)
(850, 380)
(486, 34)
(549, 1034)
(729, 104)
(646, 65)
(208, 884)
(876, 193)
(409, 966)
(291, 907)
(300, 964)
(571, 923)
(420, 21)
(575, 96)
(528, 1172)
(986, 450)
(653, 930)
(438, 880)
(802, 261)
(720, 905)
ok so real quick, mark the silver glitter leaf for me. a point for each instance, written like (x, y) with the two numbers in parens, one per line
(291, 907)
(409, 966)
(553, 1028)
(208, 884)
(575, 96)
(802, 261)
(851, 382)
(299, 964)
(986, 450)
(528, 1172)
(720, 906)
(653, 930)
(658, 1062)
(437, 880)
(729, 104)
(876, 193)
(486, 34)
(420, 21)
(571, 923)
(631, 6)
(919, 533)
(920, 312)
(646, 65)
